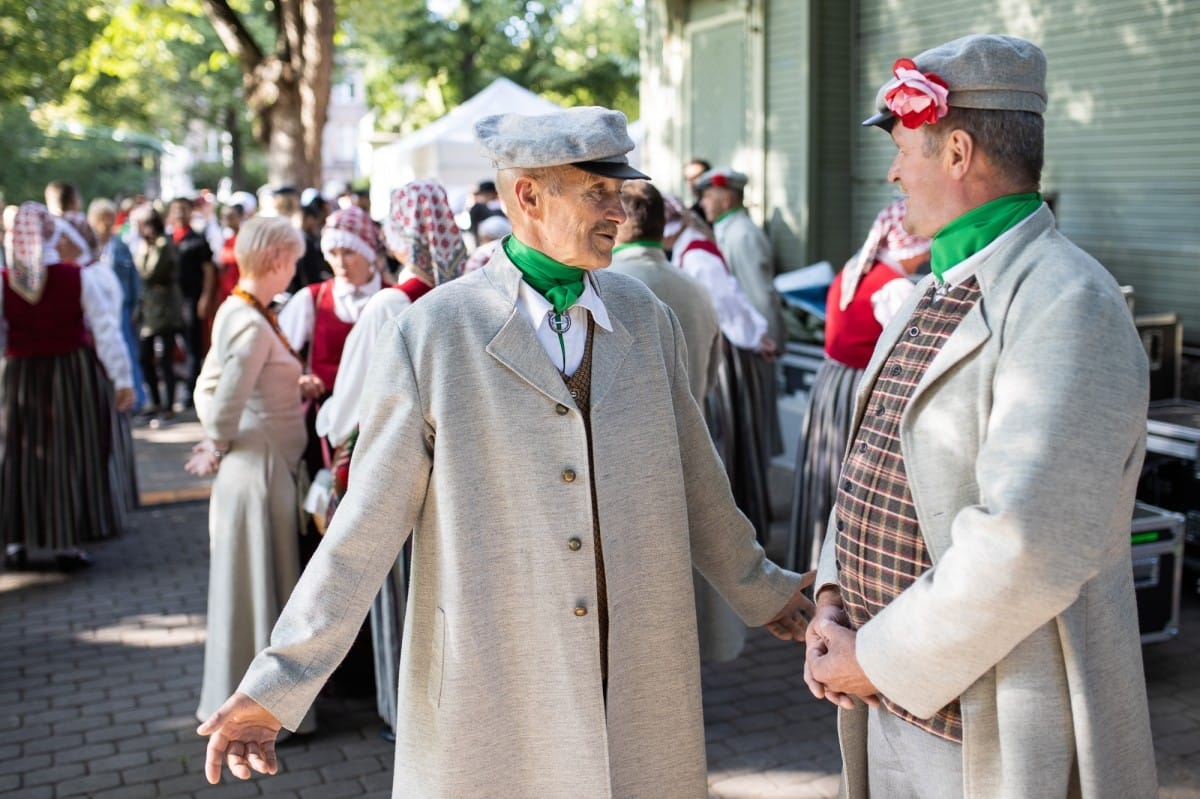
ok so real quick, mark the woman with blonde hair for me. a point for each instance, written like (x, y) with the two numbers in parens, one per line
(248, 400)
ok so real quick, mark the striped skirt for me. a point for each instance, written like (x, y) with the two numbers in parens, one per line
(56, 450)
(819, 454)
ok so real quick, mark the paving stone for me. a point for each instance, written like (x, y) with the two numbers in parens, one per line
(54, 774)
(89, 785)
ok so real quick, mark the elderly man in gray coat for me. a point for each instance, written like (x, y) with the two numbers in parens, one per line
(533, 426)
(975, 589)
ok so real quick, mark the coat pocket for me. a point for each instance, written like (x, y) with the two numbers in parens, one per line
(437, 657)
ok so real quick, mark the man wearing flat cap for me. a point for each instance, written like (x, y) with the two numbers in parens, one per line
(531, 424)
(748, 252)
(976, 621)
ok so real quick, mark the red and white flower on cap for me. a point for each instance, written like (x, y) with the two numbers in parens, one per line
(916, 97)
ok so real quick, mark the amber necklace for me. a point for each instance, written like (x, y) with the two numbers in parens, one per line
(252, 301)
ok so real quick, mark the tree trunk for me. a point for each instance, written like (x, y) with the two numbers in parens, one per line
(288, 90)
(237, 166)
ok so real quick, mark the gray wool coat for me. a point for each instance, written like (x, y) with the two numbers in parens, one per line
(468, 435)
(1023, 444)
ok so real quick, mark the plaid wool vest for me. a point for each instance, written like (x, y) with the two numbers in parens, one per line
(880, 551)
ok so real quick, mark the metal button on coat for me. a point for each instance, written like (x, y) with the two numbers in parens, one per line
(580, 611)
(568, 475)
(561, 410)
(574, 544)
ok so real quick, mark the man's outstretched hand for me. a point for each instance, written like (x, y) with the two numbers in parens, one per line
(790, 623)
(241, 735)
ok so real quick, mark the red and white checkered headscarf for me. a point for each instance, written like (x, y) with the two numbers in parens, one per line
(353, 229)
(888, 243)
(31, 234)
(422, 234)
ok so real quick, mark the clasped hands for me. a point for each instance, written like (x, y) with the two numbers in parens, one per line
(831, 668)
(204, 460)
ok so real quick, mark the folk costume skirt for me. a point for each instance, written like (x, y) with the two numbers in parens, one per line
(56, 452)
(819, 454)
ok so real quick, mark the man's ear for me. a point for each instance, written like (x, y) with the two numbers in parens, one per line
(528, 194)
(958, 153)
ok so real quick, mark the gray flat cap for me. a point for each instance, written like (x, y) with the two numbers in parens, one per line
(722, 177)
(986, 71)
(592, 138)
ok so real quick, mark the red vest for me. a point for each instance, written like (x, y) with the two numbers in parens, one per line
(707, 246)
(415, 288)
(850, 335)
(328, 336)
(54, 326)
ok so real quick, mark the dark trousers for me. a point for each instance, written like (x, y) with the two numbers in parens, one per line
(161, 365)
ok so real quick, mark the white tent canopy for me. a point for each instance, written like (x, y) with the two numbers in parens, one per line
(445, 150)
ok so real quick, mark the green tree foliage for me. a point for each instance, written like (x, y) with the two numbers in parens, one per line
(426, 57)
(38, 40)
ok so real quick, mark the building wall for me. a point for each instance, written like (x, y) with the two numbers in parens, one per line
(1123, 161)
(1122, 154)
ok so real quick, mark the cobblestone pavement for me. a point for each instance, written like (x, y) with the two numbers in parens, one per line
(102, 671)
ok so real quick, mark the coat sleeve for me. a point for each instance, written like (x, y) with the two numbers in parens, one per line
(1061, 437)
(724, 545)
(388, 479)
(237, 365)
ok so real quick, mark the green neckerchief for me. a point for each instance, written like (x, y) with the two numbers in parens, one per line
(729, 213)
(641, 243)
(978, 228)
(558, 283)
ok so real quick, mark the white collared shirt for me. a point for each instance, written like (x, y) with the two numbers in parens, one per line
(298, 315)
(567, 354)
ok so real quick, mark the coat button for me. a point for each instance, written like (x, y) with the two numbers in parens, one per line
(561, 410)
(581, 611)
(568, 475)
(574, 544)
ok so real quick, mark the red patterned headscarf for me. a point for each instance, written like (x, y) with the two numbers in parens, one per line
(887, 243)
(422, 234)
(32, 230)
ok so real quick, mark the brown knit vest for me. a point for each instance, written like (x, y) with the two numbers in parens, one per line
(580, 386)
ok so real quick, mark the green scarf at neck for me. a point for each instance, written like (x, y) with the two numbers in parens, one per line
(978, 228)
(729, 213)
(558, 283)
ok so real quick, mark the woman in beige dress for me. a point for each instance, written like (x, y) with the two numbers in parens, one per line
(248, 400)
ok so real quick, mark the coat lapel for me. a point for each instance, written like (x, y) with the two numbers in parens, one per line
(515, 345)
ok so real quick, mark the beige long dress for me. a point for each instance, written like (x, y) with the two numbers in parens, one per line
(247, 395)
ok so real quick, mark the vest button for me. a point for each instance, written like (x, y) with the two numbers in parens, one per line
(862, 447)
(896, 370)
(574, 544)
(841, 525)
(914, 331)
(568, 475)
(561, 410)
(580, 611)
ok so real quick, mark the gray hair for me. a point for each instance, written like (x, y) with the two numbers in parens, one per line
(1013, 140)
(263, 243)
